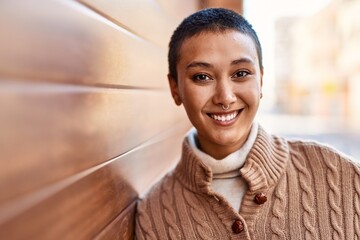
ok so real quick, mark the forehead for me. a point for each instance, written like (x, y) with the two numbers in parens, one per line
(206, 46)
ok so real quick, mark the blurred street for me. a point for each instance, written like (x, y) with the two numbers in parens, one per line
(313, 82)
(328, 131)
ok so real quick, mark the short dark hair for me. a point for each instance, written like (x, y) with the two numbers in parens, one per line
(209, 20)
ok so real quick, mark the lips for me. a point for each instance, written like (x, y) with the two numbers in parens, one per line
(224, 117)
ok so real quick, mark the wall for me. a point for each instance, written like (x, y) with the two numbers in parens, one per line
(87, 123)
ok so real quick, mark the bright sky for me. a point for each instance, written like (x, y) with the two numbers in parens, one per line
(262, 15)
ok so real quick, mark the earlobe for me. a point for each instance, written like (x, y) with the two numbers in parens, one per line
(174, 90)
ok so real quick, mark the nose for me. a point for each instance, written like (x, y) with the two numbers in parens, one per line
(224, 94)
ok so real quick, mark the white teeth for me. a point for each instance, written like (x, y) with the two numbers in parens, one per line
(224, 118)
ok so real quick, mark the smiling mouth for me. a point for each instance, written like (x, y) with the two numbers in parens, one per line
(224, 117)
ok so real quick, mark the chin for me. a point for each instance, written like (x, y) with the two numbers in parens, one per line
(228, 141)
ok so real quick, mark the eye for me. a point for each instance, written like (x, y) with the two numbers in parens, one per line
(241, 74)
(201, 77)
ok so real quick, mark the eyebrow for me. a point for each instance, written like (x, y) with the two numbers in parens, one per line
(242, 60)
(208, 65)
(199, 64)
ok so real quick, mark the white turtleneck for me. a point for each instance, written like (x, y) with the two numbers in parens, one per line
(226, 176)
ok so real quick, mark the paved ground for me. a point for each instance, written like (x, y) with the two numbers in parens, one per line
(329, 131)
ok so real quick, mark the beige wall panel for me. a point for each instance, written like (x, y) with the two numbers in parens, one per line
(177, 10)
(235, 5)
(142, 17)
(122, 228)
(64, 41)
(51, 131)
(84, 207)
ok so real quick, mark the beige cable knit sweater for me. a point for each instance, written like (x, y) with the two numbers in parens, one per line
(312, 192)
(226, 179)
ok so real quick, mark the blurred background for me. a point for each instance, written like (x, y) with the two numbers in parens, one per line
(312, 69)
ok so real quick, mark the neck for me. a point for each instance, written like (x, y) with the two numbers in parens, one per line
(220, 151)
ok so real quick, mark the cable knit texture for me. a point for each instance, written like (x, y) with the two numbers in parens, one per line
(313, 192)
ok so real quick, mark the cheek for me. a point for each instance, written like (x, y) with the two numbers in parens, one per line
(250, 91)
(195, 96)
(188, 99)
(250, 96)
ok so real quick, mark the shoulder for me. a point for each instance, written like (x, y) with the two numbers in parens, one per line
(158, 188)
(318, 152)
(152, 203)
(156, 205)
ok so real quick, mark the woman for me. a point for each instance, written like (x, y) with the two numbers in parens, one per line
(234, 180)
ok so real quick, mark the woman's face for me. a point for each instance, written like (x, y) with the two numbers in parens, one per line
(216, 69)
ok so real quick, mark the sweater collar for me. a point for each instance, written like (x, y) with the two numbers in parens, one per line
(264, 165)
(228, 166)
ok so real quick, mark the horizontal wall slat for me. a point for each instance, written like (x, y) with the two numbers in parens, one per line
(143, 17)
(64, 41)
(87, 206)
(49, 132)
(122, 228)
(154, 20)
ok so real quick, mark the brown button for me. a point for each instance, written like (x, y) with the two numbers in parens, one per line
(237, 226)
(260, 198)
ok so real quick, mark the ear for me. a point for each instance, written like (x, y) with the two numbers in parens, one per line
(174, 90)
(261, 82)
